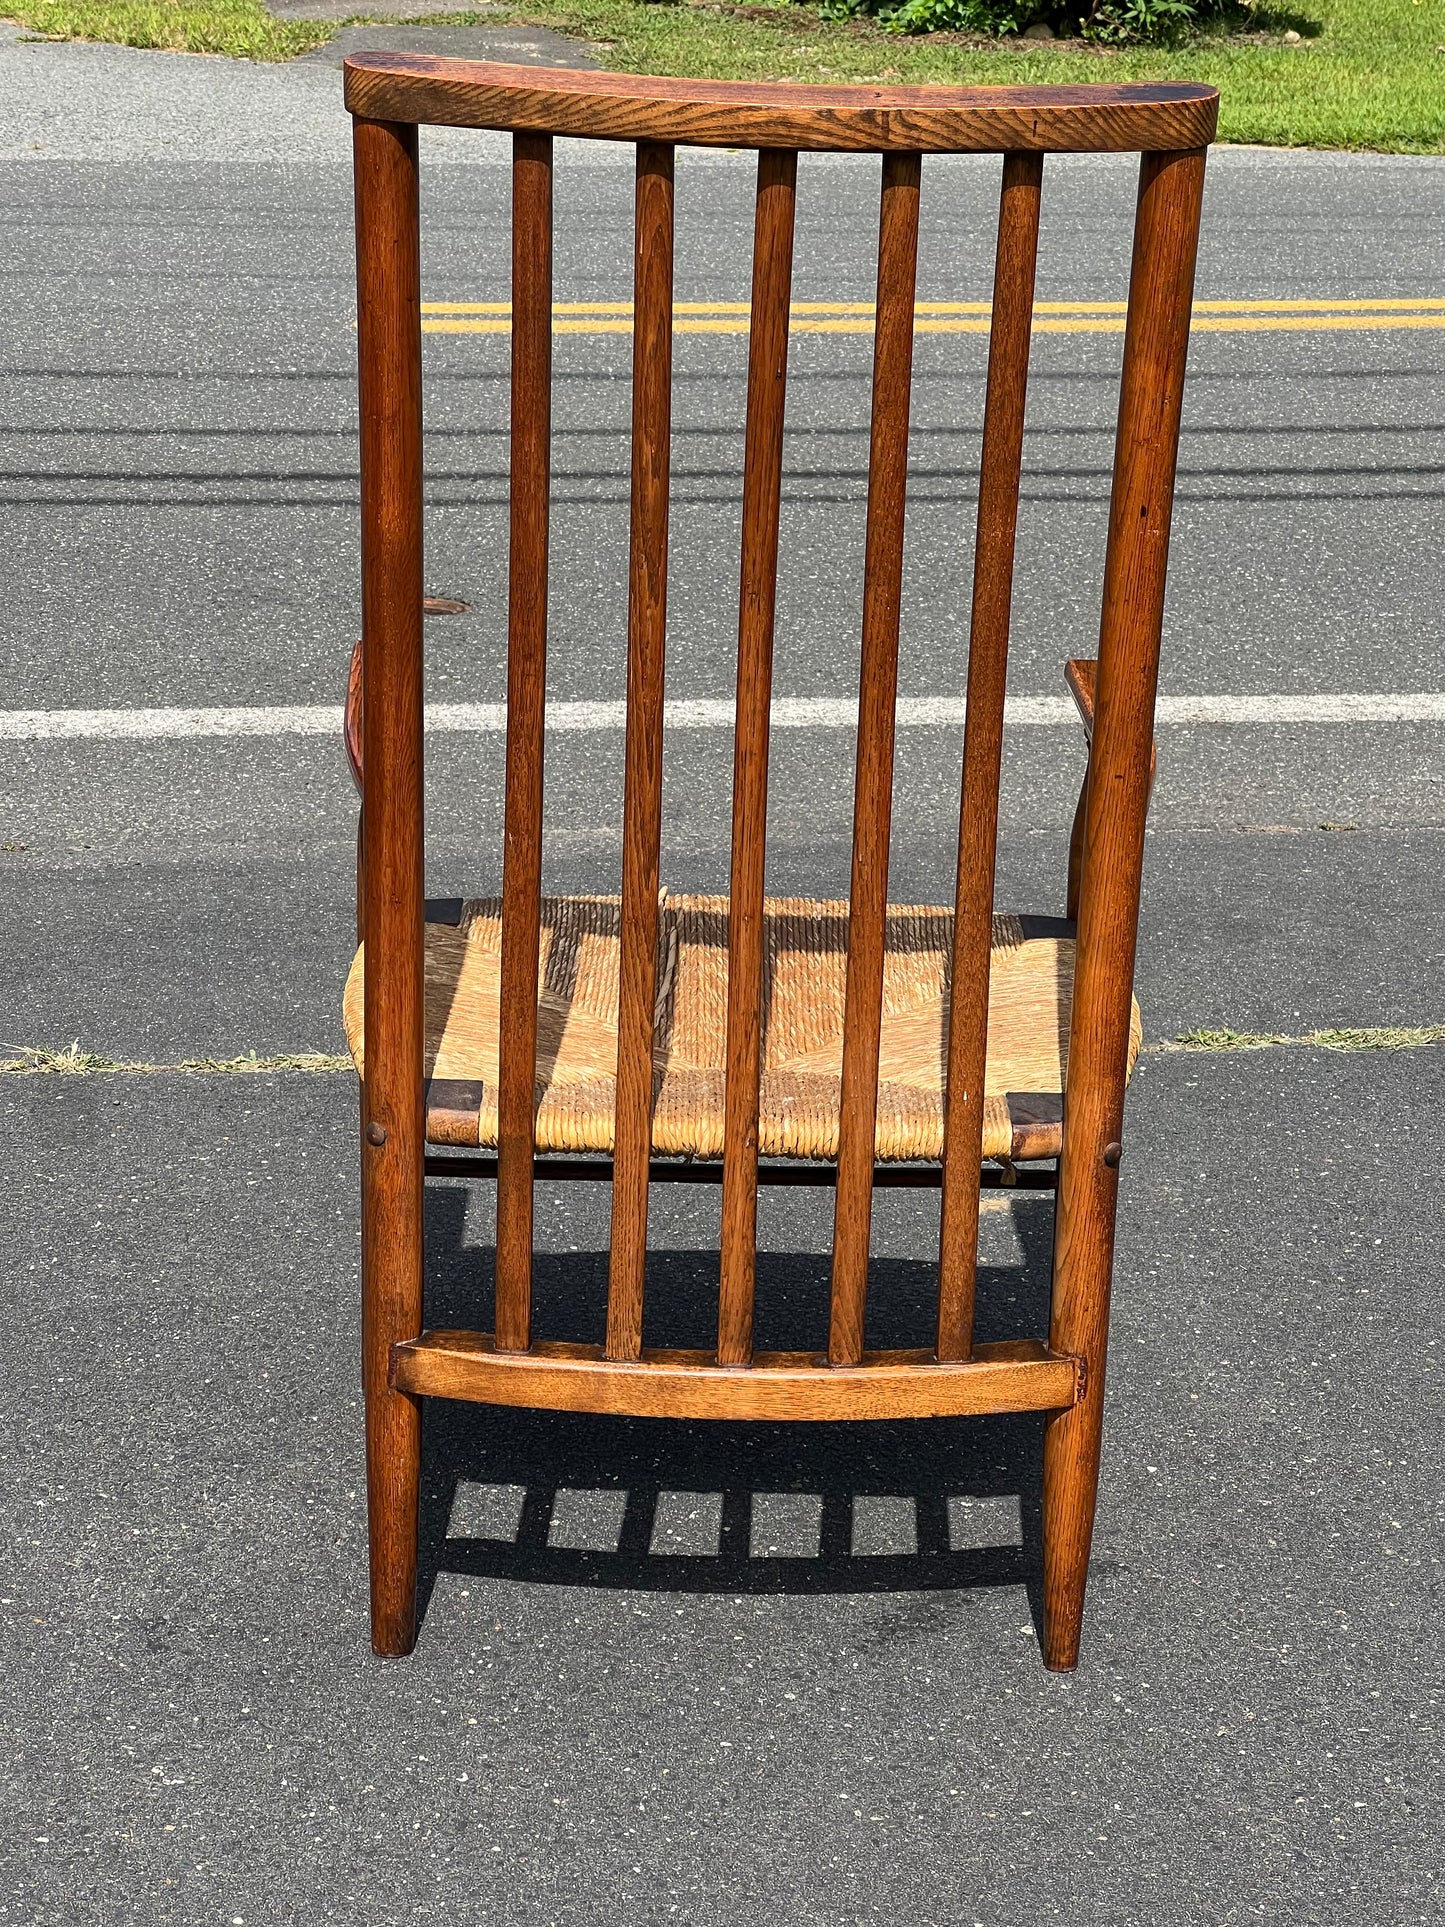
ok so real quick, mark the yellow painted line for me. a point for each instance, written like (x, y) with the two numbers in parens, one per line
(1268, 324)
(954, 317)
(468, 307)
(468, 327)
(1301, 307)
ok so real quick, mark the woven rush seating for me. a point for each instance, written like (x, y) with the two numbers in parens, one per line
(805, 949)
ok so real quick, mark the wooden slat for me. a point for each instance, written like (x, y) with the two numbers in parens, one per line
(762, 489)
(526, 697)
(1017, 1375)
(993, 574)
(873, 784)
(724, 113)
(642, 802)
(389, 352)
(1155, 347)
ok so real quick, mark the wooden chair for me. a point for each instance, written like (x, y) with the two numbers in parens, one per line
(739, 1040)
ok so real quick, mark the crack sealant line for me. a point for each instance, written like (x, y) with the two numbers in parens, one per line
(74, 1062)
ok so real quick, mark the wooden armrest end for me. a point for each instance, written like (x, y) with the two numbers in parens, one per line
(351, 717)
(1081, 676)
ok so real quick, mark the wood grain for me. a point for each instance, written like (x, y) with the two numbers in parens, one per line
(388, 306)
(526, 720)
(873, 782)
(762, 492)
(724, 113)
(1155, 348)
(1010, 335)
(642, 787)
(1017, 1375)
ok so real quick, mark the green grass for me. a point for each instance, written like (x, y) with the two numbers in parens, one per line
(1366, 74)
(242, 28)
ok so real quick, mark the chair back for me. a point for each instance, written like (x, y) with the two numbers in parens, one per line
(1170, 127)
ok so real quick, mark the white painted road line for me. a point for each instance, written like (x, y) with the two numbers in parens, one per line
(40, 725)
(789, 712)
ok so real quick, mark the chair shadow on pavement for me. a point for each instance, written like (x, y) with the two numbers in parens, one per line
(705, 1506)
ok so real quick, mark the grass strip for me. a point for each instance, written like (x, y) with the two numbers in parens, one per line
(1221, 1042)
(38, 1061)
(1362, 74)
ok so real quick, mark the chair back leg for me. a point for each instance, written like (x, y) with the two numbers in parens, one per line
(1156, 342)
(389, 327)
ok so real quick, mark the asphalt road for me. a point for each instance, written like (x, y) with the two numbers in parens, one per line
(721, 1675)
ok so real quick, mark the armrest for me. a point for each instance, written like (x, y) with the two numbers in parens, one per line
(351, 717)
(1081, 677)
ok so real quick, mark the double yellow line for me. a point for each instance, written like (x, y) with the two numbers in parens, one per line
(944, 317)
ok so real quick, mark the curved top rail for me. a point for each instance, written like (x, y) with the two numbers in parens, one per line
(733, 113)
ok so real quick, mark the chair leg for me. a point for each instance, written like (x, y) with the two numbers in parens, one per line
(390, 1254)
(1071, 1483)
(1078, 1326)
(393, 1488)
(388, 282)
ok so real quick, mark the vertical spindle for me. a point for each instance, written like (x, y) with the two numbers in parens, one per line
(762, 494)
(642, 801)
(873, 784)
(993, 570)
(526, 721)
